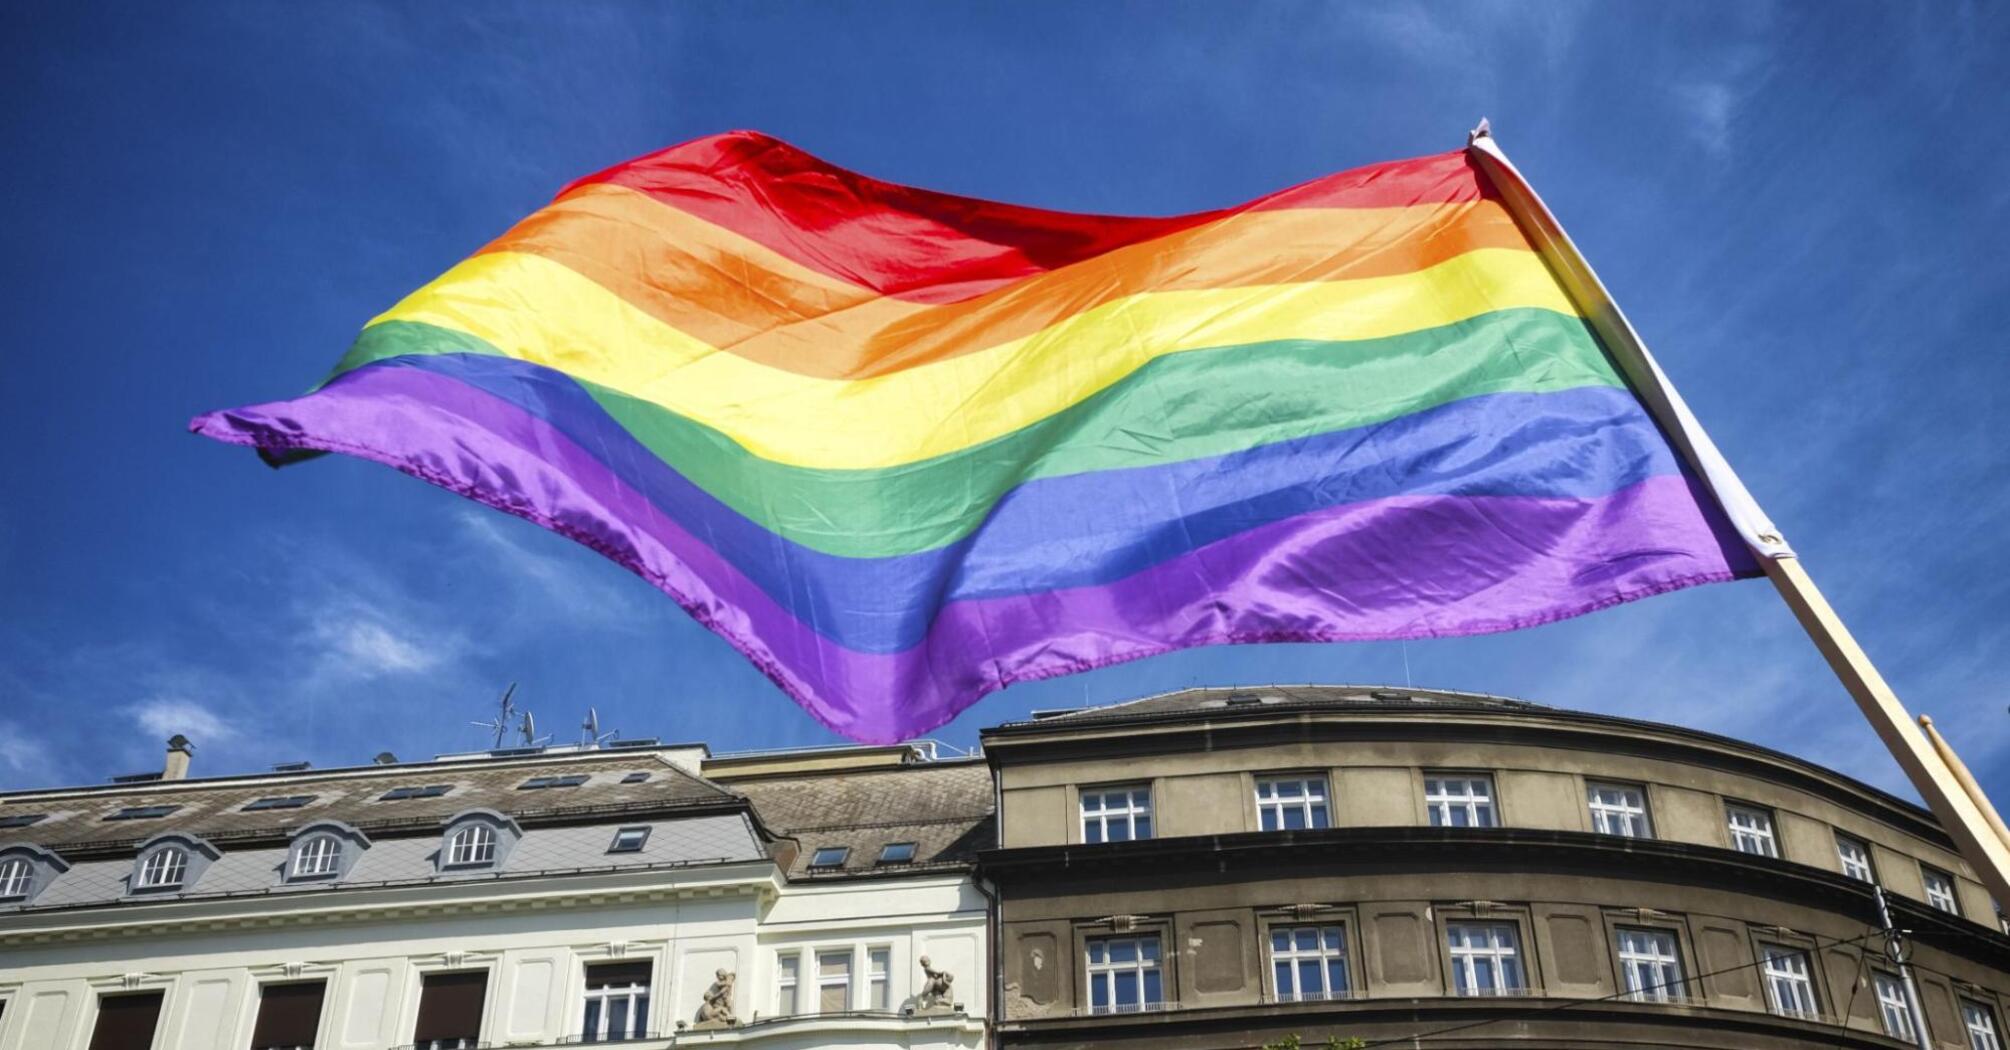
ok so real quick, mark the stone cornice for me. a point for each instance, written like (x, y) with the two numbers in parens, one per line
(760, 880)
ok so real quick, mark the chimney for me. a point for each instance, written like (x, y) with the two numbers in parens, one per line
(179, 750)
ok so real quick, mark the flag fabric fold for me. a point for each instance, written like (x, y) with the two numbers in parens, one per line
(902, 448)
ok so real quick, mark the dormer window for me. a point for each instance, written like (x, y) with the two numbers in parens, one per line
(472, 845)
(318, 856)
(163, 869)
(16, 876)
(26, 870)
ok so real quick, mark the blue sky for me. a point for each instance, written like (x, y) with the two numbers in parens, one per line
(1801, 207)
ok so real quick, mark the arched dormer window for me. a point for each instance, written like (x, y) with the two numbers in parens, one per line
(477, 840)
(16, 875)
(170, 862)
(25, 871)
(319, 855)
(163, 869)
(323, 851)
(473, 844)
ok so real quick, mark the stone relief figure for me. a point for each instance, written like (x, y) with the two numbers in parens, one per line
(718, 1006)
(935, 988)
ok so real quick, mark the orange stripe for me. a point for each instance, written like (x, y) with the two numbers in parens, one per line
(735, 294)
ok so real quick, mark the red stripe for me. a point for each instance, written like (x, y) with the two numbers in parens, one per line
(937, 247)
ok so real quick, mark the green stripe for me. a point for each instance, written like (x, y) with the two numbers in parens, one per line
(1181, 406)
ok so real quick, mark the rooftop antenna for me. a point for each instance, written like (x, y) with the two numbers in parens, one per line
(591, 736)
(500, 725)
(528, 727)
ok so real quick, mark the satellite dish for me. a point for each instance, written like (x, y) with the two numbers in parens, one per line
(592, 736)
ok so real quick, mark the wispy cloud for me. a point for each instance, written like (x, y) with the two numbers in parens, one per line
(365, 648)
(164, 716)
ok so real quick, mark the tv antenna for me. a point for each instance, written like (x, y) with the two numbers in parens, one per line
(590, 734)
(500, 725)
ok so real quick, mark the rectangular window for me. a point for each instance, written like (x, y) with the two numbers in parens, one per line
(1485, 959)
(834, 981)
(1650, 965)
(163, 868)
(1116, 814)
(1619, 809)
(1894, 1007)
(1291, 803)
(1854, 856)
(1308, 962)
(450, 1010)
(635, 778)
(428, 791)
(617, 1002)
(788, 977)
(628, 840)
(289, 1016)
(1751, 830)
(126, 1021)
(1939, 889)
(1790, 991)
(1459, 801)
(540, 783)
(878, 972)
(22, 820)
(897, 853)
(281, 802)
(1124, 974)
(142, 812)
(1980, 1023)
(829, 856)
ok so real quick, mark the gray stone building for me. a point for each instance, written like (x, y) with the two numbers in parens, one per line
(1233, 867)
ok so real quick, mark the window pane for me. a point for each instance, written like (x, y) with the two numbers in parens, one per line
(1127, 987)
(1153, 993)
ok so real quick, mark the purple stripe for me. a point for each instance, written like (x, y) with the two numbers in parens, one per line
(1401, 567)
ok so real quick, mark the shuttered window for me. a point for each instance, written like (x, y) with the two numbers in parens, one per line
(289, 1015)
(126, 1022)
(450, 1010)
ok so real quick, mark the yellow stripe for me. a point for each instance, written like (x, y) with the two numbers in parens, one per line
(536, 310)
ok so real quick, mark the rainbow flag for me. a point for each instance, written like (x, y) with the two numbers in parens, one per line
(902, 448)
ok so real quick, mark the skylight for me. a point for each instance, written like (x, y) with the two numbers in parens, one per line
(829, 856)
(635, 778)
(538, 783)
(629, 840)
(22, 820)
(280, 802)
(428, 791)
(897, 853)
(142, 812)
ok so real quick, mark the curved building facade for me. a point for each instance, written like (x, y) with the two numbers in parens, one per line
(1237, 867)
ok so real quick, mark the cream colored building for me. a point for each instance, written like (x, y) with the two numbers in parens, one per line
(523, 898)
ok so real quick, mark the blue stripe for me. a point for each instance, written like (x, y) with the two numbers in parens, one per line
(1088, 529)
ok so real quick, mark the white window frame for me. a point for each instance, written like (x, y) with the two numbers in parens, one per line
(879, 977)
(1979, 1021)
(1894, 1006)
(1754, 834)
(1470, 793)
(637, 996)
(788, 983)
(1312, 801)
(1292, 955)
(827, 980)
(1939, 889)
(17, 877)
(1788, 969)
(1853, 854)
(471, 846)
(1128, 814)
(1650, 964)
(317, 855)
(1500, 946)
(1626, 816)
(164, 868)
(1107, 971)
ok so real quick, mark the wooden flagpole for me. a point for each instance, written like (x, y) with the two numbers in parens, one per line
(1957, 812)
(1963, 777)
